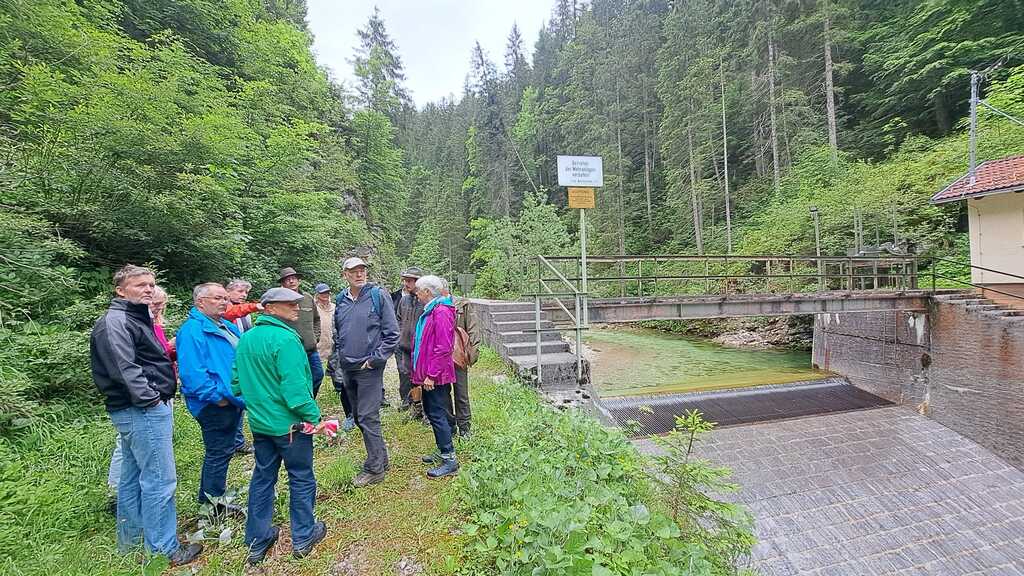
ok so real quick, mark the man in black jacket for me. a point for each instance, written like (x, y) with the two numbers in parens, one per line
(132, 371)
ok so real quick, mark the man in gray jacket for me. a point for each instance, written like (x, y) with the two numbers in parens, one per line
(365, 335)
(408, 312)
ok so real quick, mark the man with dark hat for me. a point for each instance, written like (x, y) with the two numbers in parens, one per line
(309, 317)
(407, 311)
(278, 389)
(365, 335)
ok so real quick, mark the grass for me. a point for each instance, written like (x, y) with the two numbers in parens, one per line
(53, 500)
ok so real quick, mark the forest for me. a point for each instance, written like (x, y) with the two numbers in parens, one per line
(204, 139)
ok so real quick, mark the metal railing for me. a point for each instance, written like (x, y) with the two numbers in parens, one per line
(565, 290)
(729, 274)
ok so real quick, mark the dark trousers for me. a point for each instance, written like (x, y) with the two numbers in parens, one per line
(459, 418)
(435, 404)
(365, 393)
(339, 387)
(219, 425)
(296, 452)
(316, 369)
(404, 388)
(240, 435)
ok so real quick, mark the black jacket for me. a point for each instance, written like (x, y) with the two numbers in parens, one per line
(129, 365)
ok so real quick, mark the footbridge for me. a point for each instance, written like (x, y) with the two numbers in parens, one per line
(681, 287)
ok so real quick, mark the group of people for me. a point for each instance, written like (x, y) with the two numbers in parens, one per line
(268, 359)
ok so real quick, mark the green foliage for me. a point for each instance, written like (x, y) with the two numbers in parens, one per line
(552, 492)
(506, 249)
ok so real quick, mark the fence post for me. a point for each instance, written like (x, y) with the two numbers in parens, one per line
(579, 340)
(536, 308)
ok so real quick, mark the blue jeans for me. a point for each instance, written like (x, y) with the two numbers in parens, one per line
(114, 472)
(435, 405)
(219, 425)
(145, 493)
(297, 455)
(240, 434)
(316, 369)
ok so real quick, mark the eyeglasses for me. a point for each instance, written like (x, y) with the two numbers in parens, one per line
(214, 298)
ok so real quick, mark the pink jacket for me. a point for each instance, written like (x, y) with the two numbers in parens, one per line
(435, 359)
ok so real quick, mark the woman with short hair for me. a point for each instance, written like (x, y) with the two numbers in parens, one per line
(433, 368)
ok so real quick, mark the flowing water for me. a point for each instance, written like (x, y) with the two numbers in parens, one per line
(628, 361)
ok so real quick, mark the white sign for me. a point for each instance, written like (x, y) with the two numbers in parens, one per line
(580, 171)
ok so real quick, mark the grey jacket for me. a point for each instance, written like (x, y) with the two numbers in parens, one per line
(308, 323)
(361, 333)
(129, 365)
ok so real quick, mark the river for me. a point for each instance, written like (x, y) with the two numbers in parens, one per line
(630, 361)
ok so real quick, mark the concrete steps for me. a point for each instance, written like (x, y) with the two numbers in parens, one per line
(509, 328)
(1010, 315)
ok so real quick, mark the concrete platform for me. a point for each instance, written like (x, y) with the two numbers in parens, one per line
(872, 492)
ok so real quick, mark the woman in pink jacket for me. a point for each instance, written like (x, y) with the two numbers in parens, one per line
(433, 369)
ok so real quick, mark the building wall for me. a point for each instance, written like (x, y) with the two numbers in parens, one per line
(997, 237)
(961, 367)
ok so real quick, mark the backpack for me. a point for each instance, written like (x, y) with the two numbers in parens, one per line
(374, 296)
(464, 354)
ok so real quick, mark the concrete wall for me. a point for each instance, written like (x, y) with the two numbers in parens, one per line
(960, 366)
(997, 237)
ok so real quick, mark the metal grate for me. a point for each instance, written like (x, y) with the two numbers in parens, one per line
(656, 414)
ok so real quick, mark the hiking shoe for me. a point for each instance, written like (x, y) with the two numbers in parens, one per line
(319, 531)
(434, 458)
(365, 478)
(448, 467)
(348, 424)
(225, 510)
(185, 554)
(257, 556)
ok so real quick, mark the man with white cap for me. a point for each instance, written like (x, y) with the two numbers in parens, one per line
(365, 335)
(272, 373)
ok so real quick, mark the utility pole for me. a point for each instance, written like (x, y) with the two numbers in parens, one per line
(974, 125)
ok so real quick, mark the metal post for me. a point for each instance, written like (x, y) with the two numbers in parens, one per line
(585, 318)
(849, 272)
(579, 341)
(817, 246)
(640, 278)
(536, 308)
(974, 125)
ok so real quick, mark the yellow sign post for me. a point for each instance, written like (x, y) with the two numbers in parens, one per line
(581, 198)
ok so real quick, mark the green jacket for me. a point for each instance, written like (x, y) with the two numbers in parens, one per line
(271, 374)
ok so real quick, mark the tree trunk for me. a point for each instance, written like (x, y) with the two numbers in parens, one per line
(725, 163)
(698, 235)
(771, 109)
(830, 99)
(647, 161)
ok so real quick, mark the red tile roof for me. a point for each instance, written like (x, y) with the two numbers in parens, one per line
(991, 177)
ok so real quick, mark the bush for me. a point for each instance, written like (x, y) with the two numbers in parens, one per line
(555, 493)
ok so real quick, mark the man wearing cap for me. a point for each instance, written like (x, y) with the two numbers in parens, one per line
(407, 312)
(305, 325)
(206, 345)
(365, 335)
(325, 347)
(272, 374)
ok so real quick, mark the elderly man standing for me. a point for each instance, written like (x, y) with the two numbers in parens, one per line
(309, 317)
(133, 373)
(272, 374)
(206, 352)
(325, 347)
(365, 335)
(240, 314)
(407, 312)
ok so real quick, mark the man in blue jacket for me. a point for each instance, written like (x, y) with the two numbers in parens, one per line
(206, 350)
(365, 335)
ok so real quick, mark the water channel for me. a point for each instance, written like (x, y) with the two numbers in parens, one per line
(631, 361)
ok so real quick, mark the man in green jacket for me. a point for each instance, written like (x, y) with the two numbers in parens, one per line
(272, 374)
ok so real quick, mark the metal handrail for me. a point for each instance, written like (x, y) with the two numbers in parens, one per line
(579, 299)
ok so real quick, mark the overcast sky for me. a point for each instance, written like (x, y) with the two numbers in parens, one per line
(434, 37)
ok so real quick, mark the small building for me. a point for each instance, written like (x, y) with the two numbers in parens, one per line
(995, 212)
